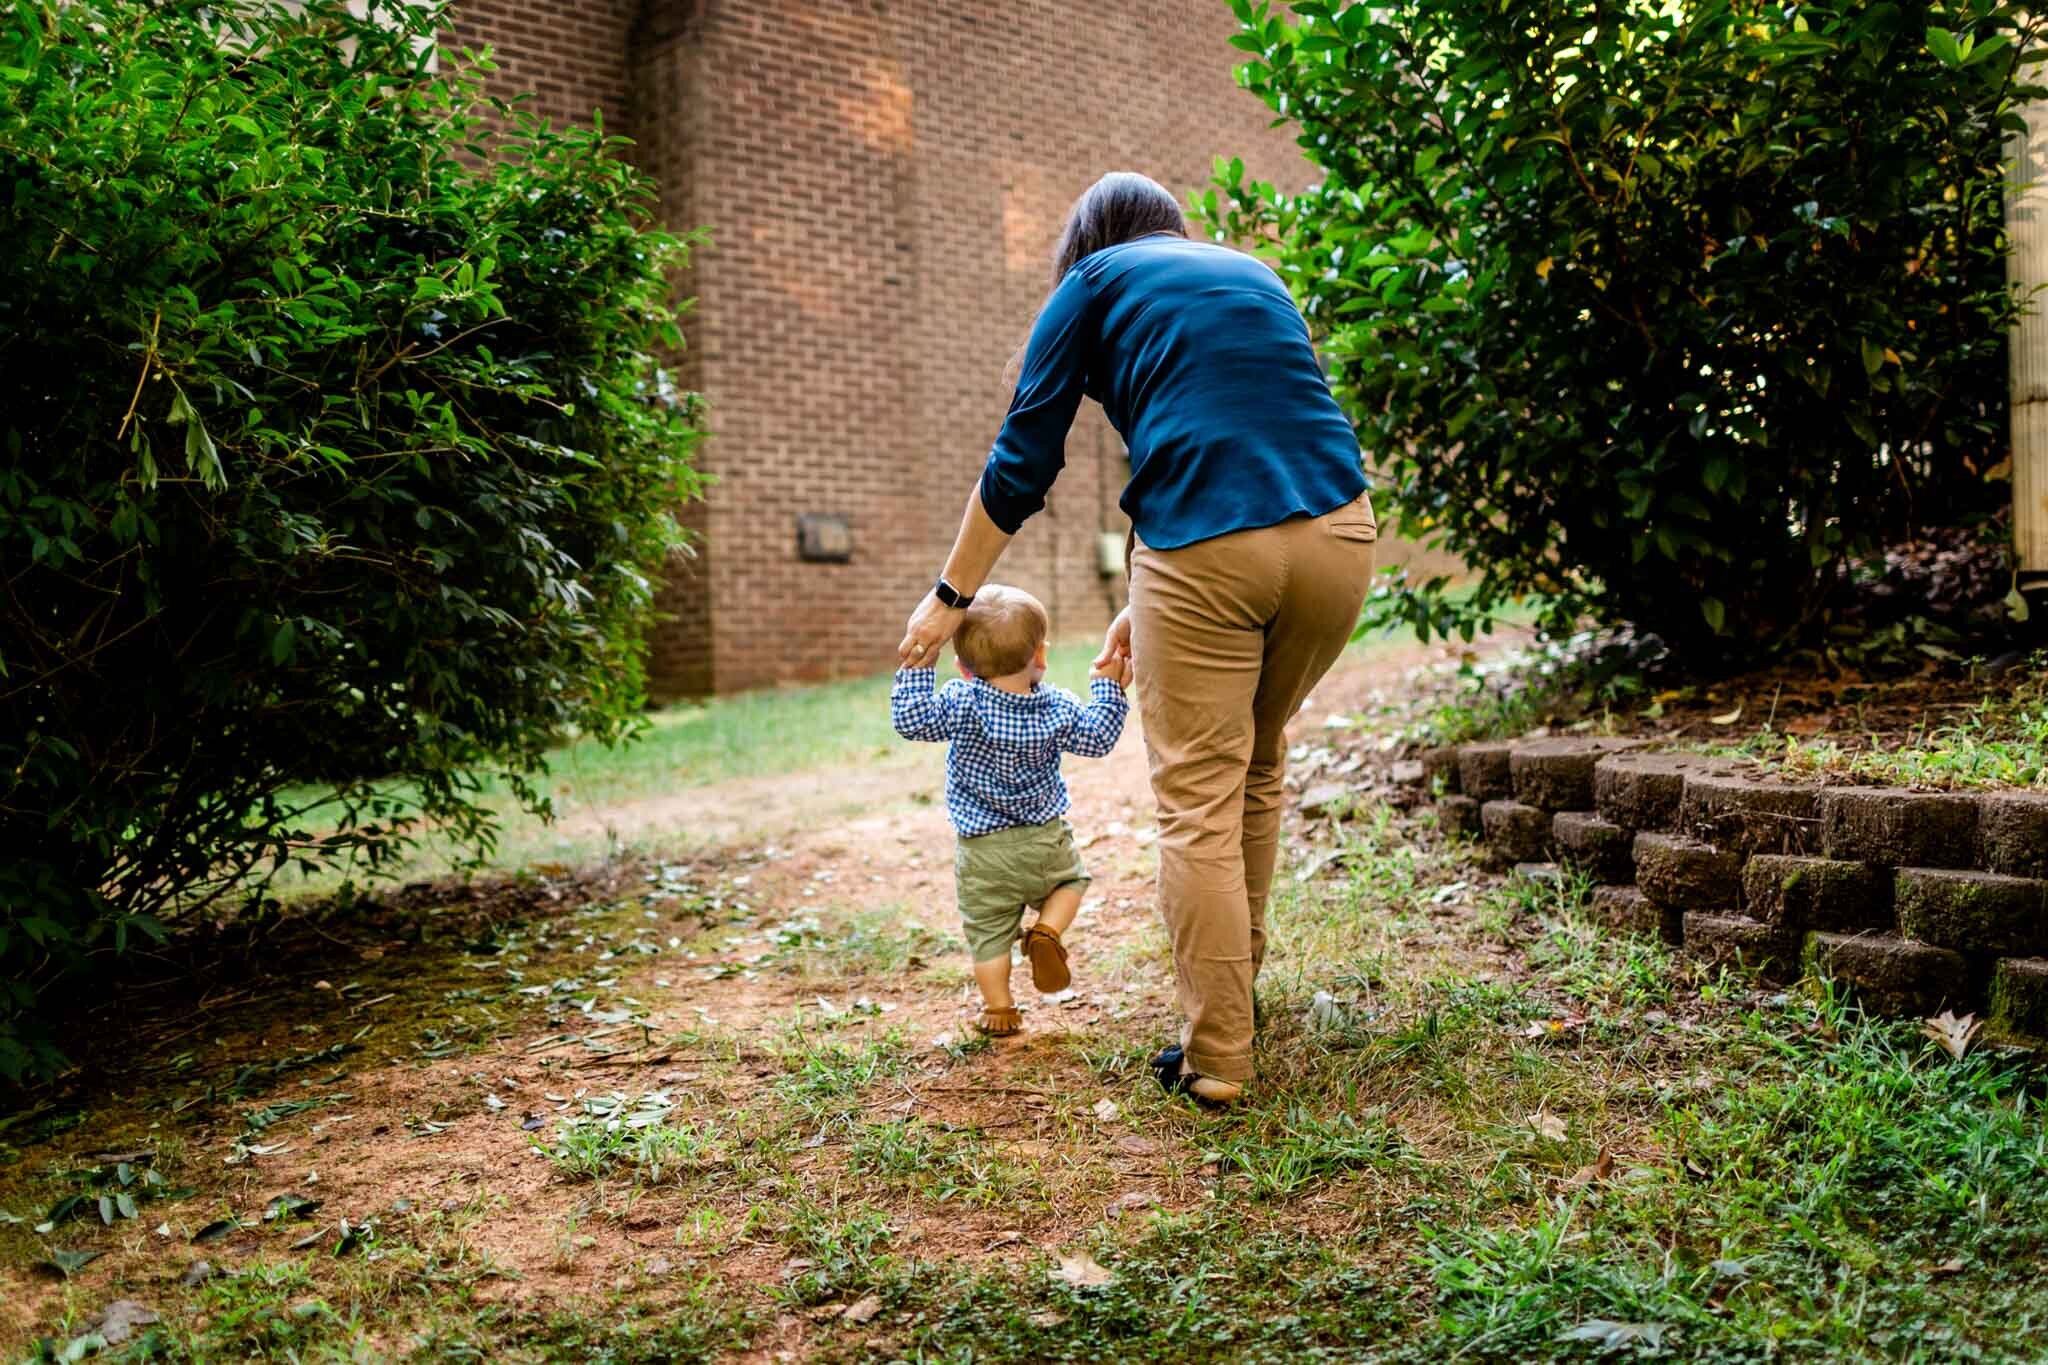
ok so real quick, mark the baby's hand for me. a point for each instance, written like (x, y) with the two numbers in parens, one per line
(1117, 670)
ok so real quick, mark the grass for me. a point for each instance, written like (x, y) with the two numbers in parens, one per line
(687, 745)
(1486, 1129)
(2001, 741)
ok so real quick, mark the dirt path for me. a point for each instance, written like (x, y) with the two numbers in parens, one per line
(817, 938)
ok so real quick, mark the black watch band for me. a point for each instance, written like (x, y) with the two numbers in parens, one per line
(951, 596)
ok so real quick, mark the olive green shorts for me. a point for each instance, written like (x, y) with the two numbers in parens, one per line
(997, 875)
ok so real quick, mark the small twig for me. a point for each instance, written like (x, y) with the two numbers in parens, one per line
(148, 359)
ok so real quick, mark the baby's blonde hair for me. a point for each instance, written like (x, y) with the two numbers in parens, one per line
(1002, 632)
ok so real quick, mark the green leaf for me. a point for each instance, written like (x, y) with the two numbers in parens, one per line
(1943, 45)
(69, 1263)
(1715, 613)
(1990, 47)
(2017, 606)
(286, 1207)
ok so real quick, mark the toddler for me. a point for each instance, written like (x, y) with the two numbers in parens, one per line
(1004, 793)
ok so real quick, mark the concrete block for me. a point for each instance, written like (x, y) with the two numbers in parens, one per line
(1892, 975)
(1459, 815)
(2019, 999)
(1737, 940)
(2012, 833)
(1557, 774)
(1628, 910)
(1606, 852)
(1898, 827)
(1641, 791)
(1750, 814)
(1483, 771)
(1816, 893)
(1440, 769)
(1516, 833)
(1977, 912)
(1685, 874)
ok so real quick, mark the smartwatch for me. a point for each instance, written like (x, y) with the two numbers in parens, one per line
(951, 596)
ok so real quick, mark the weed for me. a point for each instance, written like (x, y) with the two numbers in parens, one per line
(1302, 1147)
(695, 1320)
(824, 1077)
(835, 1255)
(2002, 741)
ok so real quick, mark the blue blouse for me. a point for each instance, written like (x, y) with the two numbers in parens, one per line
(1204, 366)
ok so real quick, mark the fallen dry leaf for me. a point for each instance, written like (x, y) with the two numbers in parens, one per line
(1594, 1174)
(863, 1309)
(1954, 1265)
(1131, 1203)
(1727, 717)
(1955, 1035)
(1548, 1125)
(1106, 1111)
(1136, 1146)
(1083, 1271)
(118, 1320)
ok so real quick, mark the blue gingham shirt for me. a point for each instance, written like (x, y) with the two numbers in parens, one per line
(1004, 766)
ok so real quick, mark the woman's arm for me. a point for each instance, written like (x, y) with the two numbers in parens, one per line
(1028, 455)
(975, 551)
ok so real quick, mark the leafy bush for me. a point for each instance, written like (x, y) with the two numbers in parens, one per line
(335, 456)
(1664, 313)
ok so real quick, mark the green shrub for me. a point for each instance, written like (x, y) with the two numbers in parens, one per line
(335, 456)
(1665, 313)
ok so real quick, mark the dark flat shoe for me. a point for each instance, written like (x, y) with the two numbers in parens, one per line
(1169, 1068)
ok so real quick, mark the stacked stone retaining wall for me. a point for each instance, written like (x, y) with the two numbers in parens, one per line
(1917, 901)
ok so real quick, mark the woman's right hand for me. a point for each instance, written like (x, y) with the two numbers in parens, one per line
(1116, 646)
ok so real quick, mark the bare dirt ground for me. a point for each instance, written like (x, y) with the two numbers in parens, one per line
(696, 981)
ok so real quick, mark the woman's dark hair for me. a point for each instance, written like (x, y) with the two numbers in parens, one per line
(1121, 207)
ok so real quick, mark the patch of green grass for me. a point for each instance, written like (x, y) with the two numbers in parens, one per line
(691, 1321)
(825, 1077)
(1869, 1198)
(1203, 1288)
(837, 1252)
(594, 1148)
(2000, 742)
(884, 941)
(935, 1163)
(1289, 1149)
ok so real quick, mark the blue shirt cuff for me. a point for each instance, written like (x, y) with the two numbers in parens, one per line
(1006, 509)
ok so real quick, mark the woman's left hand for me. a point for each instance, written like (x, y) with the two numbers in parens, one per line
(931, 625)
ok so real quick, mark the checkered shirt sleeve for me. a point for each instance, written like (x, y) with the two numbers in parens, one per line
(919, 712)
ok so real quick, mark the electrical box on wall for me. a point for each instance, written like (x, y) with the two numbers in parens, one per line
(823, 538)
(1109, 553)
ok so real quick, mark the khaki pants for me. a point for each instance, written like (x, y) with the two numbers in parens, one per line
(1228, 636)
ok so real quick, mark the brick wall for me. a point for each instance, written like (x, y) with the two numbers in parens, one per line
(571, 57)
(883, 182)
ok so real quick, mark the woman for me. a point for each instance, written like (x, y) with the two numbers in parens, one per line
(1252, 545)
